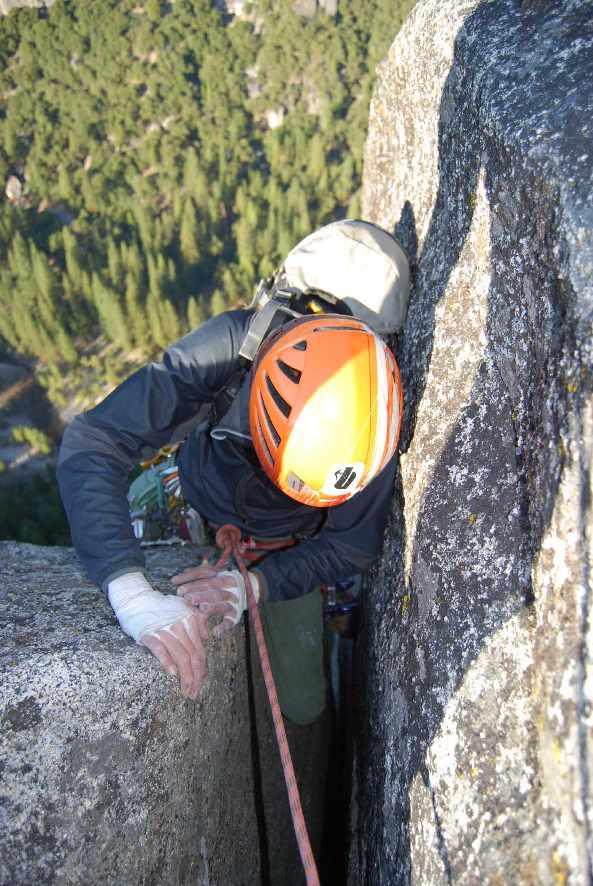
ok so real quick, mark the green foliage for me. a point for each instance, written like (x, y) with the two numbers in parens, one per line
(155, 191)
(33, 512)
(35, 438)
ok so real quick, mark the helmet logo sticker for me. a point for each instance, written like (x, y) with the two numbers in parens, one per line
(294, 482)
(343, 478)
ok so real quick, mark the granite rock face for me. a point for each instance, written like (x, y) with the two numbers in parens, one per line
(308, 8)
(475, 758)
(7, 5)
(107, 774)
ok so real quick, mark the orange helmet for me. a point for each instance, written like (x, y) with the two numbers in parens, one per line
(325, 408)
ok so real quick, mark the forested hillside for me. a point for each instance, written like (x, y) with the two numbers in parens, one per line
(157, 158)
(146, 187)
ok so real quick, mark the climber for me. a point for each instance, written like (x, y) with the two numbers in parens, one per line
(293, 408)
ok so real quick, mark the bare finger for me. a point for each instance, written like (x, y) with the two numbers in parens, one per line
(200, 619)
(193, 574)
(193, 626)
(159, 650)
(225, 625)
(197, 652)
(187, 632)
(181, 656)
(217, 609)
(197, 597)
(203, 584)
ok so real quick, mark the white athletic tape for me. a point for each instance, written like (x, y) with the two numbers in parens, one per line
(239, 604)
(140, 609)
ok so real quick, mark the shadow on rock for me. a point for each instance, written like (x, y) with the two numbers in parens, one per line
(493, 478)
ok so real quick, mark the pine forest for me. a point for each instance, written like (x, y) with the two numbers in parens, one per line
(158, 158)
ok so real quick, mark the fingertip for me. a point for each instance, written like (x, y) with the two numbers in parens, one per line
(202, 628)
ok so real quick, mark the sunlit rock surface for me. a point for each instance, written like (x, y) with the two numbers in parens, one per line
(7, 5)
(474, 763)
(107, 774)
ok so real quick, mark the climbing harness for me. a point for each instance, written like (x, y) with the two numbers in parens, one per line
(228, 539)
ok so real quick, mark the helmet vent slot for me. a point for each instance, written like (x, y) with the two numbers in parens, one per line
(339, 328)
(266, 447)
(277, 397)
(300, 346)
(289, 371)
(270, 424)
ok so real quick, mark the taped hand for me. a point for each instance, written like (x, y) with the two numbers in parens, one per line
(216, 592)
(167, 626)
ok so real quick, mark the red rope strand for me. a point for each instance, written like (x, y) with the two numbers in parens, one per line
(228, 538)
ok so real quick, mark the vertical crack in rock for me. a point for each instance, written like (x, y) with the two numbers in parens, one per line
(474, 751)
(585, 693)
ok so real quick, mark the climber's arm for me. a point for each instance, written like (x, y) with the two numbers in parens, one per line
(101, 446)
(349, 542)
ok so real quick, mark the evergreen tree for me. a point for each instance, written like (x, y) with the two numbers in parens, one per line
(244, 239)
(195, 313)
(218, 302)
(114, 264)
(175, 186)
(189, 233)
(135, 311)
(111, 314)
(19, 259)
(191, 173)
(155, 324)
(65, 191)
(72, 258)
(65, 346)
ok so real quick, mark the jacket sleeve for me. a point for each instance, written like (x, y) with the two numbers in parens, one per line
(349, 541)
(101, 446)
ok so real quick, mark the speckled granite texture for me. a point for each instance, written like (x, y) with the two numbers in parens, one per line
(474, 761)
(107, 774)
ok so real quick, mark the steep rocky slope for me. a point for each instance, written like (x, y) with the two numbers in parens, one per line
(474, 762)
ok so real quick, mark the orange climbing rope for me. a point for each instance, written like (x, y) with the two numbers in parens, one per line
(228, 538)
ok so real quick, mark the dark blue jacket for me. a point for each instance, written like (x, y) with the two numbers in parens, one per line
(218, 469)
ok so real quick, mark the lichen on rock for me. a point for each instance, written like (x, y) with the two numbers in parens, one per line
(474, 763)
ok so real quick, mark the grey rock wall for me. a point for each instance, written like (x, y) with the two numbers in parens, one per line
(308, 8)
(107, 774)
(7, 5)
(474, 756)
